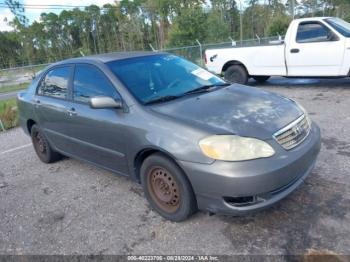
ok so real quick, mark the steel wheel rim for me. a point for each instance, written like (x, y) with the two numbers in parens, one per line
(163, 189)
(233, 77)
(40, 143)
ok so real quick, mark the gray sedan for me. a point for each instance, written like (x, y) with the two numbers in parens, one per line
(191, 139)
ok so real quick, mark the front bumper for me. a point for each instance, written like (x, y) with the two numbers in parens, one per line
(237, 188)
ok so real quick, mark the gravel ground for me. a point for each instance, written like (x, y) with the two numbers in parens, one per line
(71, 207)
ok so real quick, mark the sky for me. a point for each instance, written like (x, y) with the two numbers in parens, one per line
(34, 14)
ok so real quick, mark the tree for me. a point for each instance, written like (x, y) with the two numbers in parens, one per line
(278, 25)
(17, 9)
(188, 26)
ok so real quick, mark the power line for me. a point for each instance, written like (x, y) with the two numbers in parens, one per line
(56, 7)
(48, 5)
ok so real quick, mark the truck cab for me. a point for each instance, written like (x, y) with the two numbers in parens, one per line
(312, 47)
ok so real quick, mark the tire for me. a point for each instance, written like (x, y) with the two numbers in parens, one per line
(236, 74)
(42, 147)
(261, 79)
(167, 189)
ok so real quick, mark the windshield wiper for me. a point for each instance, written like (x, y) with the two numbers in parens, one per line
(205, 88)
(201, 89)
(160, 99)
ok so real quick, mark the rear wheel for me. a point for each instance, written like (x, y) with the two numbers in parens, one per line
(167, 189)
(236, 74)
(261, 79)
(42, 147)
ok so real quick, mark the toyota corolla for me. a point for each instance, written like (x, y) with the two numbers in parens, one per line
(192, 140)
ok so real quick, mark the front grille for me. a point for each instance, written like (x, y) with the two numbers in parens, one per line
(294, 133)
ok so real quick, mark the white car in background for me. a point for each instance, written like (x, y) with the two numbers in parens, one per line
(312, 47)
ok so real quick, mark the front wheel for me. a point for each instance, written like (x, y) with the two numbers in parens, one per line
(236, 74)
(167, 189)
(261, 79)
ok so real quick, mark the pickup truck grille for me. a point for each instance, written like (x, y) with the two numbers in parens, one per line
(294, 133)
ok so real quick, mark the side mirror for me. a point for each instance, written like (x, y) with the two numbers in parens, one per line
(332, 36)
(105, 102)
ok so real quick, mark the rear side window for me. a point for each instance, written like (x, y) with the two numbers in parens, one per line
(90, 82)
(55, 83)
(312, 32)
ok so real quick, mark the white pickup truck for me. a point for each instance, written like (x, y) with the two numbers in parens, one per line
(312, 47)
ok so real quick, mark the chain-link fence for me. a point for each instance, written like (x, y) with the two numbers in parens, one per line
(195, 53)
(18, 76)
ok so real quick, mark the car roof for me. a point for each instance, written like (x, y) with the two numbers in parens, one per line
(108, 57)
(312, 19)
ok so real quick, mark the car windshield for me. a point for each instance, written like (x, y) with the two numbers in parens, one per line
(340, 25)
(162, 77)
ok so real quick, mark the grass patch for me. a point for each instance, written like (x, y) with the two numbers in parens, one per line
(11, 88)
(9, 113)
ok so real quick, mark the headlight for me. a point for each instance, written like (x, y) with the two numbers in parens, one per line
(235, 148)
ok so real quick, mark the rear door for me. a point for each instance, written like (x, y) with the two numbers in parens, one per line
(97, 135)
(315, 50)
(51, 105)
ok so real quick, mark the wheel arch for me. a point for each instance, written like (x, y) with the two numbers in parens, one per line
(233, 62)
(29, 124)
(146, 152)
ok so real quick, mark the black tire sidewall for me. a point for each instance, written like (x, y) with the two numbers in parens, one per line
(188, 203)
(240, 71)
(50, 155)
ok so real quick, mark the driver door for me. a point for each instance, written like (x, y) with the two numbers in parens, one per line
(315, 51)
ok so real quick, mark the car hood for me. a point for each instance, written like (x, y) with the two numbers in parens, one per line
(236, 109)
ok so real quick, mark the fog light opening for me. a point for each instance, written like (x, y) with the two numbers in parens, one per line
(241, 201)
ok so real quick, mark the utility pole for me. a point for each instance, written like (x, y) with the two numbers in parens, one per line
(241, 26)
(93, 33)
(241, 21)
(291, 6)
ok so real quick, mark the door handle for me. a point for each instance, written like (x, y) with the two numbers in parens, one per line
(72, 112)
(37, 102)
(294, 50)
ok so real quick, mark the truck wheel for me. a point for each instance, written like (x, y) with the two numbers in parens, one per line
(236, 74)
(261, 79)
(42, 147)
(167, 189)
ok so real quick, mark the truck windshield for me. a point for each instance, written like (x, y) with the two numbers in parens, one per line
(161, 76)
(340, 25)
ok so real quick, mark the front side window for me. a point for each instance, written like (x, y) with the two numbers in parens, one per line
(55, 83)
(90, 82)
(312, 32)
(163, 75)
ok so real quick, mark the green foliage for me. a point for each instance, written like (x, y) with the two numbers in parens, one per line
(188, 26)
(17, 9)
(255, 21)
(278, 25)
(217, 29)
(9, 113)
